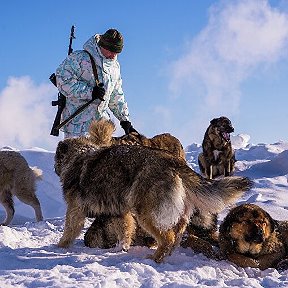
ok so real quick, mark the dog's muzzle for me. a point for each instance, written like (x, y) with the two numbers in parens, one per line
(226, 133)
(256, 235)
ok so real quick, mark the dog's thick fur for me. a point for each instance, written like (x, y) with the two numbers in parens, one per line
(17, 179)
(160, 190)
(107, 231)
(111, 231)
(218, 157)
(101, 132)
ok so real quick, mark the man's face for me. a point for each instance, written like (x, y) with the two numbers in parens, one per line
(108, 54)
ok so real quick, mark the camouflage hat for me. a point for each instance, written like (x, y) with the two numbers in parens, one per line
(111, 40)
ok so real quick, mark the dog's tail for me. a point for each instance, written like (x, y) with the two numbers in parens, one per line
(37, 172)
(199, 199)
(100, 132)
(229, 189)
(213, 196)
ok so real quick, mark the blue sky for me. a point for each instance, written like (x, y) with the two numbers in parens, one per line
(183, 64)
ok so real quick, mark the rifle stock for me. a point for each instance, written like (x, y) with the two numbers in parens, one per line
(61, 102)
(54, 130)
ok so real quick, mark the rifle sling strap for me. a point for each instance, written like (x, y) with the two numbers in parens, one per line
(93, 67)
(83, 107)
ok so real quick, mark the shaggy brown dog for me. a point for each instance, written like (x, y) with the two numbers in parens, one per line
(101, 131)
(160, 190)
(248, 237)
(218, 157)
(107, 231)
(17, 179)
(110, 231)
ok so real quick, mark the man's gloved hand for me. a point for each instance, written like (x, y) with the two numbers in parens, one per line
(127, 126)
(98, 92)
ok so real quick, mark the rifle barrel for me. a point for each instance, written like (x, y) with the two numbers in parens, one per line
(72, 36)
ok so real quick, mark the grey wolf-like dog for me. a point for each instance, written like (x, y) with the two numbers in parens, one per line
(17, 179)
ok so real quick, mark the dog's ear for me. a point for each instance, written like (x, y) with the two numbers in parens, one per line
(233, 215)
(273, 223)
(225, 227)
(213, 121)
(62, 147)
(227, 223)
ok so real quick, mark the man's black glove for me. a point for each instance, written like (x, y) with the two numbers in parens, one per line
(98, 92)
(127, 126)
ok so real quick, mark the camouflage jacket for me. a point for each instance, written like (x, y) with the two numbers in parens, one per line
(75, 80)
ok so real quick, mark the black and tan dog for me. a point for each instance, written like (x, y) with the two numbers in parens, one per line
(160, 190)
(248, 237)
(218, 157)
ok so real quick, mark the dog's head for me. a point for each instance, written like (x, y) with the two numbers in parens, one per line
(247, 227)
(67, 149)
(223, 126)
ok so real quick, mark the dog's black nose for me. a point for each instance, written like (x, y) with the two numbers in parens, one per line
(256, 235)
(230, 129)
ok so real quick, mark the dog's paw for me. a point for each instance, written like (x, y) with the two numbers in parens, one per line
(125, 249)
(123, 246)
(63, 243)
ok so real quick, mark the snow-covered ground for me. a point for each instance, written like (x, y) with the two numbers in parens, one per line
(30, 258)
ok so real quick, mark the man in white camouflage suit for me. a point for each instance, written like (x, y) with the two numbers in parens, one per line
(76, 81)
